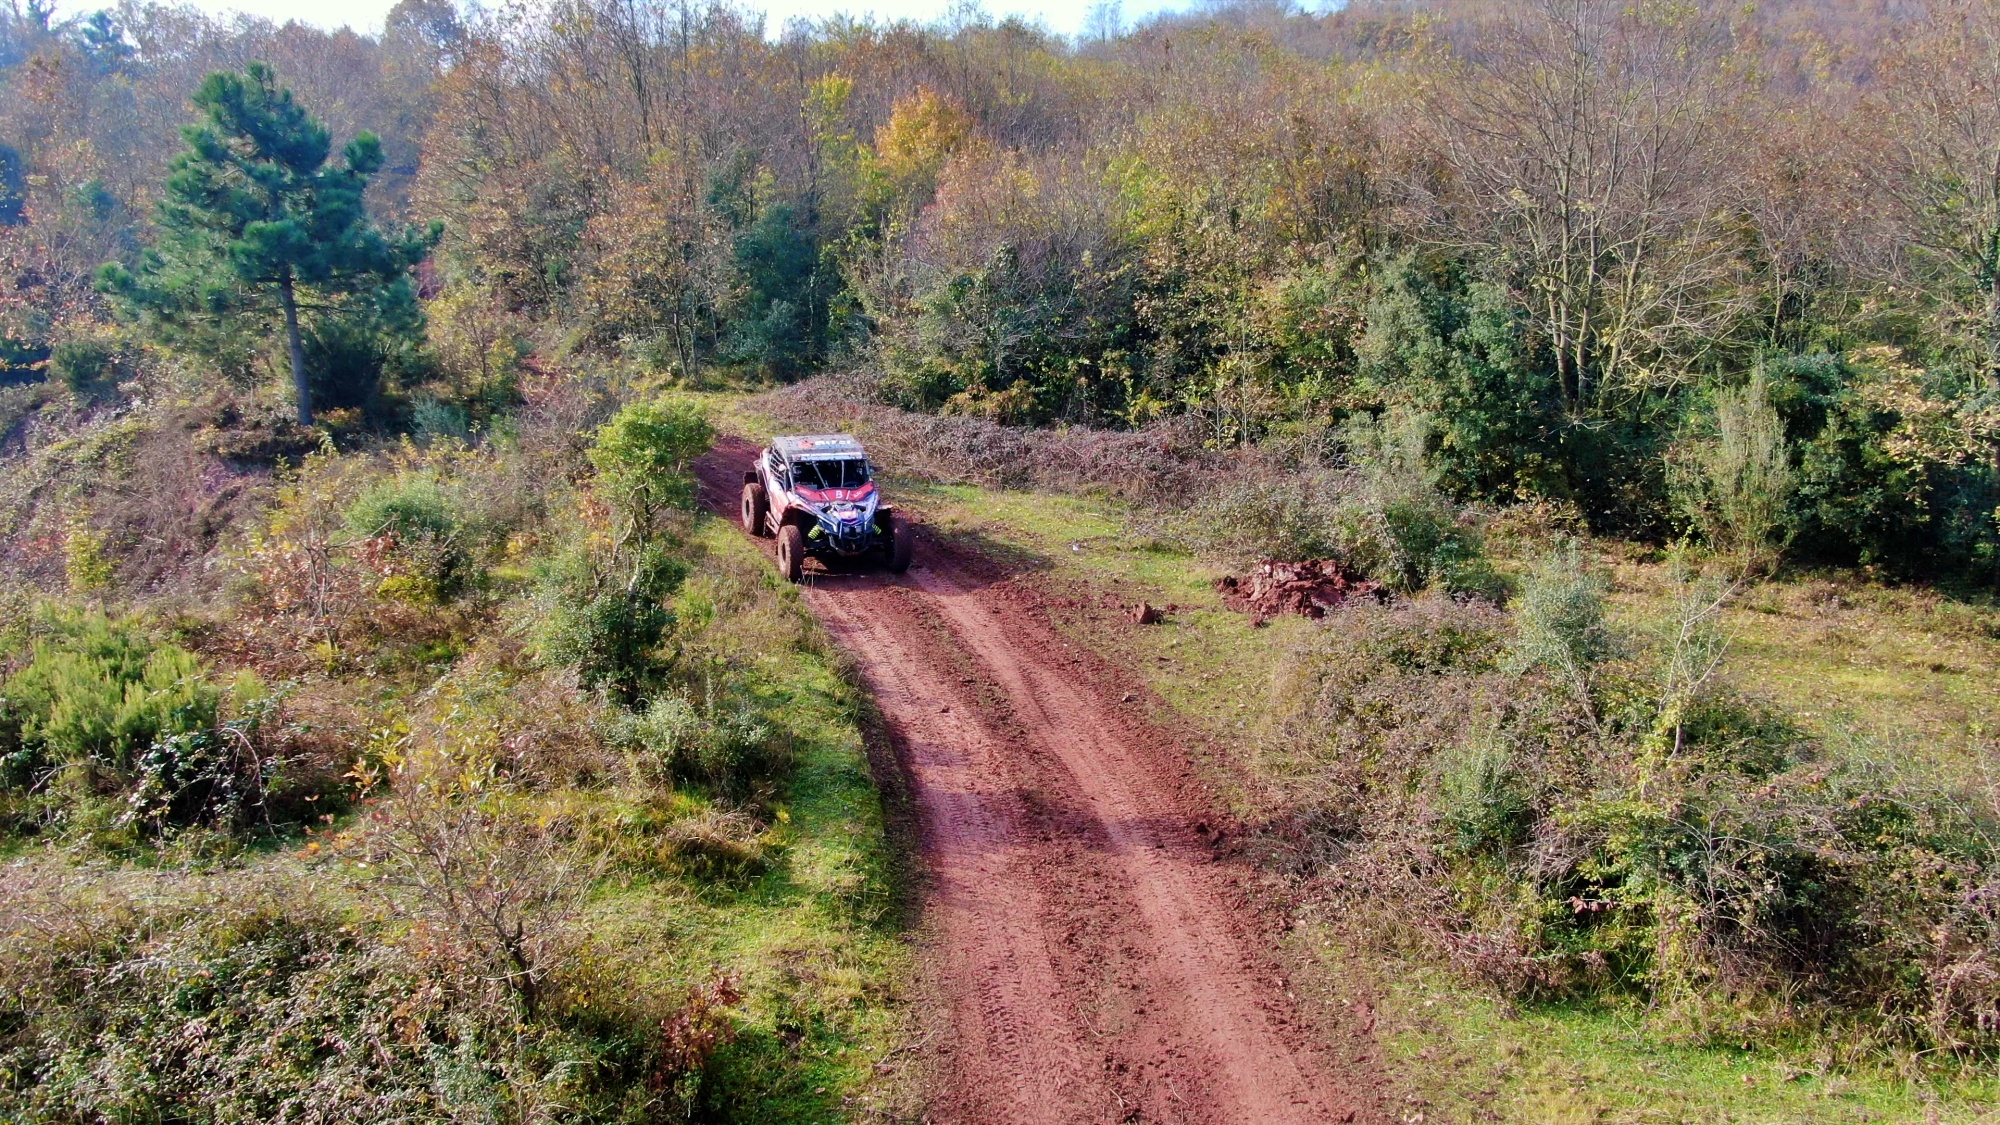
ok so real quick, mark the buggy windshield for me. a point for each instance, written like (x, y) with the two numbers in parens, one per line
(849, 472)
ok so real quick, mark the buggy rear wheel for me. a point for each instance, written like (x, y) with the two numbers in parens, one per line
(754, 510)
(791, 552)
(902, 546)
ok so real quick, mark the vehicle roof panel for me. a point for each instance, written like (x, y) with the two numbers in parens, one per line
(813, 447)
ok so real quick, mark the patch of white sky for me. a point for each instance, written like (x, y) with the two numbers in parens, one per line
(1069, 19)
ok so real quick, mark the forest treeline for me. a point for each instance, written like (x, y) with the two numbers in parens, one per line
(1696, 269)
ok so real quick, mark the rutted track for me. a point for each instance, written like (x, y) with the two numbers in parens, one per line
(1093, 960)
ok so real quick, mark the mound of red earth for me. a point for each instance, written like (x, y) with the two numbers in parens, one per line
(1308, 588)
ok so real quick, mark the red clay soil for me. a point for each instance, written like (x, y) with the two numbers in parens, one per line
(1308, 588)
(1092, 954)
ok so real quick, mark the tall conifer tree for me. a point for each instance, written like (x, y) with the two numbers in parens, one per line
(254, 220)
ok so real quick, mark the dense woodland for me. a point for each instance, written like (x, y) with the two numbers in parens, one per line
(346, 514)
(1555, 235)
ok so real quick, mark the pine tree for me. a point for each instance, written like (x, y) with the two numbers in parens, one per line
(253, 220)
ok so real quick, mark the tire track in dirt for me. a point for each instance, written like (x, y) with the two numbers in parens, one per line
(1092, 959)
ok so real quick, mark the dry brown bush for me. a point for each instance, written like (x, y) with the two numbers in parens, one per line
(491, 890)
(1163, 459)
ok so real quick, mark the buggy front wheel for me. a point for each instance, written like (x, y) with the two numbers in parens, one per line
(754, 509)
(791, 552)
(902, 547)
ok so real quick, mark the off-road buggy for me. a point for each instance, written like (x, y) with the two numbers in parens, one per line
(817, 494)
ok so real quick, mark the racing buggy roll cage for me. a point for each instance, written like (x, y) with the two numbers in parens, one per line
(816, 493)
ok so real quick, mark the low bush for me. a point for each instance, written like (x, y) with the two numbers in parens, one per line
(413, 516)
(101, 711)
(1734, 483)
(88, 364)
(100, 986)
(606, 625)
(1566, 811)
(1407, 538)
(721, 745)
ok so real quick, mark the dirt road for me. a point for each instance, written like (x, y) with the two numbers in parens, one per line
(1093, 959)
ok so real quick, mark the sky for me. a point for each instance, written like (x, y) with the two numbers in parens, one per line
(366, 15)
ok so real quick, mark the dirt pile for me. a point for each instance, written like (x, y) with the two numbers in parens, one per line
(1308, 588)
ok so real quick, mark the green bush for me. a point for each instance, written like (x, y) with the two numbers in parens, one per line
(99, 711)
(1479, 796)
(605, 624)
(1279, 515)
(433, 419)
(88, 365)
(428, 530)
(1559, 616)
(1398, 524)
(409, 507)
(1454, 351)
(1734, 486)
(1384, 517)
(644, 459)
(1888, 472)
(722, 746)
(1428, 544)
(98, 692)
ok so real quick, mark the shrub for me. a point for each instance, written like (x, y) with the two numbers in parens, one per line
(1454, 351)
(644, 459)
(96, 691)
(1401, 528)
(86, 564)
(722, 745)
(1890, 472)
(423, 526)
(1388, 524)
(1291, 516)
(1427, 543)
(87, 364)
(1560, 621)
(433, 419)
(1479, 795)
(606, 627)
(499, 887)
(100, 711)
(1735, 486)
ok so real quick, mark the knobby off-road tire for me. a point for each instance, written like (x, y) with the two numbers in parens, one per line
(754, 510)
(791, 552)
(902, 546)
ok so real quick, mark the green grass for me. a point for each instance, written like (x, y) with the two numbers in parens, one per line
(1909, 671)
(1480, 1060)
(818, 940)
